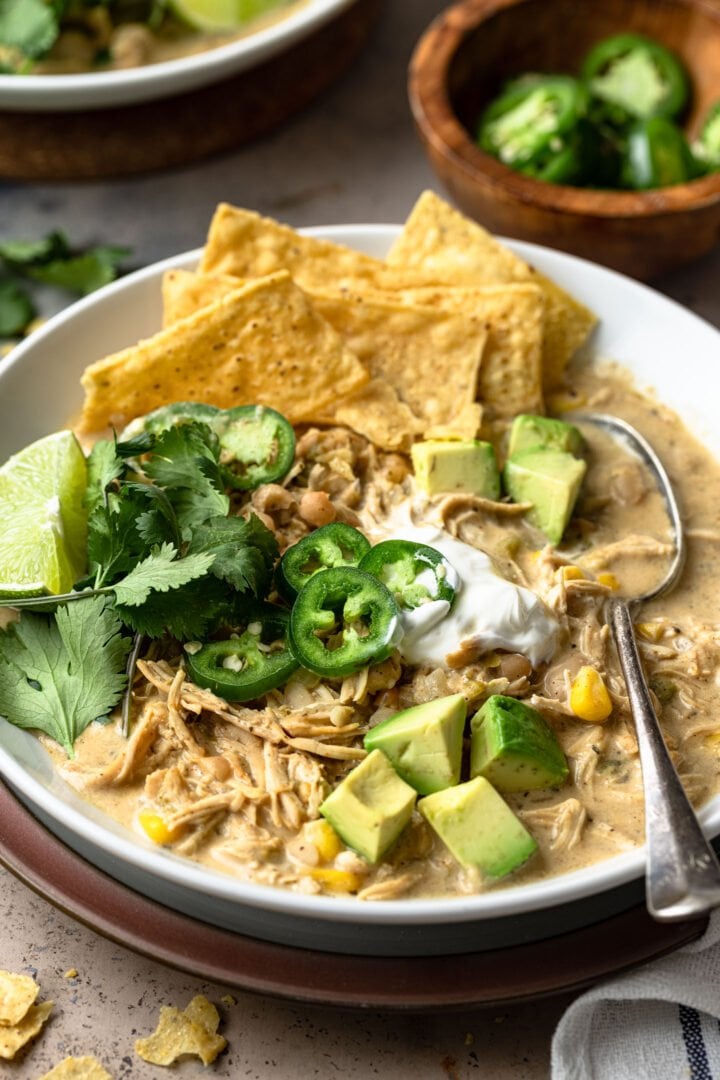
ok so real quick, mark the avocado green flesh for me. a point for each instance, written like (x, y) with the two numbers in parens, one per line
(550, 480)
(514, 748)
(478, 827)
(470, 467)
(370, 807)
(424, 744)
(543, 432)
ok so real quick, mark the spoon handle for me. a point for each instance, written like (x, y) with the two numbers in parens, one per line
(683, 874)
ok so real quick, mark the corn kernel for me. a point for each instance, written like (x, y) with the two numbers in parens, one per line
(609, 581)
(572, 573)
(560, 403)
(157, 829)
(589, 698)
(535, 555)
(713, 740)
(651, 631)
(339, 881)
(321, 834)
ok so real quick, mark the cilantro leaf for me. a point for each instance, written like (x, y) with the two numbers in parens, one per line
(114, 543)
(187, 613)
(159, 572)
(28, 25)
(81, 273)
(104, 467)
(158, 524)
(184, 462)
(33, 252)
(60, 674)
(245, 551)
(16, 309)
(141, 443)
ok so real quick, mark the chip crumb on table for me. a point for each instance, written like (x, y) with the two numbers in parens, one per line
(180, 1032)
(77, 1068)
(14, 1037)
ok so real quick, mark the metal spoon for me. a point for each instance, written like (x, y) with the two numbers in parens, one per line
(682, 873)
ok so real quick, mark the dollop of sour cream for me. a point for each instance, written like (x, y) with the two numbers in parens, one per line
(489, 611)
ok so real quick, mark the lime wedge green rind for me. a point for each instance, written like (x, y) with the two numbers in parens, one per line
(218, 15)
(43, 522)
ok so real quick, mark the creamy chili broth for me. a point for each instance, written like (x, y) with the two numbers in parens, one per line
(134, 44)
(238, 784)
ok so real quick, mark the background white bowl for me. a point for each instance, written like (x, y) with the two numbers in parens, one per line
(103, 89)
(667, 349)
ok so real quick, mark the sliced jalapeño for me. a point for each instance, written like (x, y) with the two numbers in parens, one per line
(413, 573)
(342, 620)
(327, 547)
(246, 665)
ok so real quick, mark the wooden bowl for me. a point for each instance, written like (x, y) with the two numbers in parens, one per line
(468, 52)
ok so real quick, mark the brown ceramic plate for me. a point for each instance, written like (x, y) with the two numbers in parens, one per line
(499, 977)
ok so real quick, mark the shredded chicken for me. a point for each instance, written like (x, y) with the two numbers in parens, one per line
(241, 785)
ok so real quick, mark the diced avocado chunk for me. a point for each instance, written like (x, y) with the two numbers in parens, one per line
(469, 466)
(542, 432)
(478, 827)
(514, 747)
(550, 480)
(370, 807)
(424, 744)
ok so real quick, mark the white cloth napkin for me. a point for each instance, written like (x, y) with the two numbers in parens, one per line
(661, 1022)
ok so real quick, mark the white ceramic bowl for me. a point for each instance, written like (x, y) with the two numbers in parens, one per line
(104, 89)
(667, 349)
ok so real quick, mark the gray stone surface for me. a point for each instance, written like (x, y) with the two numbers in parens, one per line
(352, 157)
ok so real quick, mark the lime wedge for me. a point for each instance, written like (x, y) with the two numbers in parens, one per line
(43, 522)
(216, 15)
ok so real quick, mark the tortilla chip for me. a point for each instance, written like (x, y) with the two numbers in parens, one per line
(262, 344)
(377, 412)
(430, 358)
(17, 994)
(246, 245)
(510, 380)
(82, 1068)
(184, 293)
(203, 1012)
(439, 242)
(192, 1031)
(14, 1038)
(423, 361)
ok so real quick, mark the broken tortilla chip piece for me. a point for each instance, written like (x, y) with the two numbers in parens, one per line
(17, 994)
(245, 245)
(429, 357)
(510, 379)
(203, 1012)
(377, 412)
(192, 1031)
(77, 1068)
(423, 359)
(14, 1038)
(445, 246)
(262, 344)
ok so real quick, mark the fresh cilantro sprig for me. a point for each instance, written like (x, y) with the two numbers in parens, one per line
(51, 260)
(159, 538)
(163, 558)
(60, 674)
